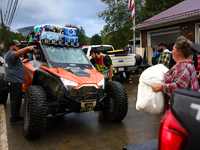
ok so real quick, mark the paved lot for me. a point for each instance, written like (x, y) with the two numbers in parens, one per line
(78, 131)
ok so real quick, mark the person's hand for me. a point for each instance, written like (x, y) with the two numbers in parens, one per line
(32, 48)
(156, 87)
(198, 76)
(109, 80)
(190, 41)
(25, 60)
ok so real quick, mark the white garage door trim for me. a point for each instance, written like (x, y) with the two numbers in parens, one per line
(197, 32)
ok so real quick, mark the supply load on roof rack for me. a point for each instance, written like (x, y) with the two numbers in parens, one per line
(48, 31)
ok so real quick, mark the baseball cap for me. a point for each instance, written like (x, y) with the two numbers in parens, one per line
(15, 42)
(162, 43)
(181, 38)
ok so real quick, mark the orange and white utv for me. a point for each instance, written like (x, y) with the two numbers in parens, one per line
(66, 83)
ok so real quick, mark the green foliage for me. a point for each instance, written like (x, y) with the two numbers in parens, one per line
(96, 40)
(118, 19)
(9, 35)
(157, 6)
(82, 37)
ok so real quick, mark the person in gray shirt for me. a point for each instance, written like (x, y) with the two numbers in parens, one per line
(15, 77)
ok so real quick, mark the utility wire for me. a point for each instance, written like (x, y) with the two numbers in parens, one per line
(6, 10)
(17, 11)
(9, 12)
(13, 12)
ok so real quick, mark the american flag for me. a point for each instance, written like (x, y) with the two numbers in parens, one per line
(132, 7)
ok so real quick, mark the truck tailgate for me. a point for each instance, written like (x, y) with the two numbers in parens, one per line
(123, 61)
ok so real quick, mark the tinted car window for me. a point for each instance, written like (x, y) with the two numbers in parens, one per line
(105, 49)
(85, 50)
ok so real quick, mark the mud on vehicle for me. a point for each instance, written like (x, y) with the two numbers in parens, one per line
(65, 83)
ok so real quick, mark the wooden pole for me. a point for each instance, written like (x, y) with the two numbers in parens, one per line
(3, 33)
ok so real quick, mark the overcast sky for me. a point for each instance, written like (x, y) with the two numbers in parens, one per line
(58, 12)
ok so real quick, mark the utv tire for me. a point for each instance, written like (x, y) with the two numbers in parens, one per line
(34, 112)
(115, 102)
(3, 92)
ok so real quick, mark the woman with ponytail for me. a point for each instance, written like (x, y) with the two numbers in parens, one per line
(182, 75)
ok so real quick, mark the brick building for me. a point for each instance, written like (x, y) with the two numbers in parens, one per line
(181, 19)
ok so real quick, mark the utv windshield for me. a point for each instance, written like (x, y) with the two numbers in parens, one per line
(66, 55)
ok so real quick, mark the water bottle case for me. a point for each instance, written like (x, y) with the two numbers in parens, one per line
(55, 32)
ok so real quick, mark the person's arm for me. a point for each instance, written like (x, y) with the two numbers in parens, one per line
(179, 80)
(110, 73)
(25, 60)
(23, 51)
(108, 63)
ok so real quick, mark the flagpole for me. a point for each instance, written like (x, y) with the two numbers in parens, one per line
(134, 35)
(132, 7)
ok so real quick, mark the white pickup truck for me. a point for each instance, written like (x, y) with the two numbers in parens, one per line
(123, 62)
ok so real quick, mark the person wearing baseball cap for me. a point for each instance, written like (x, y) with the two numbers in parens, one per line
(15, 77)
(164, 58)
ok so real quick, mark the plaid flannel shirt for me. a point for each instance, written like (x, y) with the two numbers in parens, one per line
(181, 76)
(164, 58)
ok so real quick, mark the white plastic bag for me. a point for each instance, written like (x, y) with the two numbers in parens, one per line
(148, 101)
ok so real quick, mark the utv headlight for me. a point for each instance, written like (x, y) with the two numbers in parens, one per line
(69, 84)
(101, 84)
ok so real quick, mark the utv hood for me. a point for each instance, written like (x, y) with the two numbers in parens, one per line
(77, 74)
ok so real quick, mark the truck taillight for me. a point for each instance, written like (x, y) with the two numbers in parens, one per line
(135, 59)
(172, 135)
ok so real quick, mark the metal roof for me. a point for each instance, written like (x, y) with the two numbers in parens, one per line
(187, 8)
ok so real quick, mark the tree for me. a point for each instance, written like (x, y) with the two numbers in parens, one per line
(118, 21)
(82, 37)
(154, 7)
(9, 35)
(118, 18)
(96, 40)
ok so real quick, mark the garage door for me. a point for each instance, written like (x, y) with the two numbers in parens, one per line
(169, 36)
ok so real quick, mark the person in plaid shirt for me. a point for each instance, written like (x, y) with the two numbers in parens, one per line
(165, 57)
(182, 75)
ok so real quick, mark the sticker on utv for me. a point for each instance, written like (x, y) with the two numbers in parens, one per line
(197, 107)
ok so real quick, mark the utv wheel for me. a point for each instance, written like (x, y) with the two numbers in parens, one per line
(34, 112)
(115, 102)
(3, 92)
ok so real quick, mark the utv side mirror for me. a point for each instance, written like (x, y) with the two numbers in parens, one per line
(196, 47)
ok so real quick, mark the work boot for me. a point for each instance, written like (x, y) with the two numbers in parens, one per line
(18, 121)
